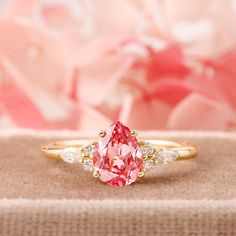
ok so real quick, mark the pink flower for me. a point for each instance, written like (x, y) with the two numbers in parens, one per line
(150, 64)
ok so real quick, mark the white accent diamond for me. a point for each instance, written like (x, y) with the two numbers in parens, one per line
(88, 164)
(70, 155)
(148, 165)
(166, 155)
(88, 149)
(147, 149)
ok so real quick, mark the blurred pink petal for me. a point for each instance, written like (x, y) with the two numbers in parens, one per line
(21, 109)
(225, 76)
(5, 121)
(171, 91)
(35, 53)
(167, 62)
(91, 119)
(57, 15)
(98, 79)
(78, 50)
(197, 112)
(205, 28)
(51, 107)
(223, 16)
(117, 17)
(126, 108)
(68, 121)
(184, 9)
(148, 114)
(15, 8)
(204, 82)
(100, 47)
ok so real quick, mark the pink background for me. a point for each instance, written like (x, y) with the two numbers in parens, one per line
(152, 64)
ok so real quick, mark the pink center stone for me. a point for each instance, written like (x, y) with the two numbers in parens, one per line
(117, 156)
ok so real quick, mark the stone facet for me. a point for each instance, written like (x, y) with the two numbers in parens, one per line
(117, 156)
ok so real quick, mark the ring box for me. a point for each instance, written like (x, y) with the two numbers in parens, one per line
(40, 196)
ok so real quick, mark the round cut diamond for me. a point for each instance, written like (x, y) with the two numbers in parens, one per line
(88, 149)
(166, 155)
(70, 155)
(148, 164)
(88, 164)
(117, 156)
(147, 149)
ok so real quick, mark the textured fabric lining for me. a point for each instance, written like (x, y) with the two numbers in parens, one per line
(117, 217)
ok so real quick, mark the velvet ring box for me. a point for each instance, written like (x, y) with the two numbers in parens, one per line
(40, 196)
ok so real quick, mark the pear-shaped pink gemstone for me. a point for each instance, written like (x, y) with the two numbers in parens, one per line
(117, 156)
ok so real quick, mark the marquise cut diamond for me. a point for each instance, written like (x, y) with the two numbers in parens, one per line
(70, 155)
(166, 155)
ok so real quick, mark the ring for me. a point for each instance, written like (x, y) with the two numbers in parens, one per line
(117, 157)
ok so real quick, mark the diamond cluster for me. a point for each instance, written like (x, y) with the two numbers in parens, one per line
(153, 156)
(148, 152)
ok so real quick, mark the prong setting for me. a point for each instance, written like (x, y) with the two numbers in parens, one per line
(155, 162)
(102, 133)
(83, 156)
(134, 133)
(145, 157)
(141, 174)
(95, 174)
